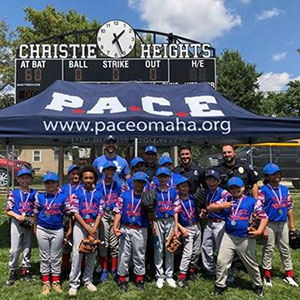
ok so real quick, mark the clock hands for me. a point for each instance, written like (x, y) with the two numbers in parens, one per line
(116, 40)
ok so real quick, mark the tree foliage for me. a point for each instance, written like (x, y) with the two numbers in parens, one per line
(238, 81)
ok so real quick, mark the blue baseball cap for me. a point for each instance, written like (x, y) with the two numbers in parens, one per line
(140, 176)
(164, 160)
(24, 171)
(235, 181)
(109, 164)
(135, 161)
(163, 170)
(270, 169)
(212, 173)
(110, 138)
(150, 149)
(73, 167)
(50, 176)
(180, 179)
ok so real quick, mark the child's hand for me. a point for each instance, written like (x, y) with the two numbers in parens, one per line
(255, 233)
(117, 231)
(227, 204)
(184, 232)
(92, 231)
(20, 218)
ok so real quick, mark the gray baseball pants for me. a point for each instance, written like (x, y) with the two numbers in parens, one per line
(50, 247)
(164, 228)
(132, 245)
(20, 241)
(212, 237)
(278, 233)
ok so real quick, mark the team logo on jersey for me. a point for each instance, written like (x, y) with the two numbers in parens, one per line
(241, 170)
(196, 173)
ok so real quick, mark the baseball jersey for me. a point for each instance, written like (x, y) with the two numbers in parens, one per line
(129, 206)
(87, 204)
(167, 203)
(187, 212)
(120, 162)
(21, 202)
(276, 202)
(212, 197)
(237, 217)
(110, 194)
(50, 209)
(69, 189)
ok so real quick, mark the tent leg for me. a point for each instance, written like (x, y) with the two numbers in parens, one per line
(13, 167)
(7, 169)
(61, 164)
(136, 140)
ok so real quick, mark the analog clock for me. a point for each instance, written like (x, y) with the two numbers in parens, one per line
(116, 39)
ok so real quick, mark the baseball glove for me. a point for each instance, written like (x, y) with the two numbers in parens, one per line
(149, 203)
(200, 200)
(28, 222)
(294, 239)
(254, 222)
(172, 243)
(88, 245)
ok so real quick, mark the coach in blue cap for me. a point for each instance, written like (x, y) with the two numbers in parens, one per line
(150, 158)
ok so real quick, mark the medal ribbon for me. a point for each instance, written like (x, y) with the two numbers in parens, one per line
(234, 212)
(279, 200)
(23, 203)
(208, 201)
(91, 200)
(70, 189)
(164, 202)
(189, 214)
(105, 194)
(133, 210)
(53, 199)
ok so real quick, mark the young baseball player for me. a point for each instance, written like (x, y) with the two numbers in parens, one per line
(133, 232)
(49, 208)
(278, 205)
(238, 209)
(110, 190)
(167, 209)
(20, 203)
(214, 229)
(137, 164)
(69, 189)
(188, 224)
(86, 209)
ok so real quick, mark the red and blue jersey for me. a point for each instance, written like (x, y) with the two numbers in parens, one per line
(167, 203)
(50, 209)
(87, 204)
(171, 183)
(237, 218)
(276, 202)
(21, 202)
(129, 206)
(69, 189)
(110, 194)
(213, 197)
(187, 214)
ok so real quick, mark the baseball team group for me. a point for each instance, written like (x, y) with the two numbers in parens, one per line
(151, 218)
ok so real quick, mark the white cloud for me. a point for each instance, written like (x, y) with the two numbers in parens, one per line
(268, 14)
(275, 82)
(279, 56)
(202, 20)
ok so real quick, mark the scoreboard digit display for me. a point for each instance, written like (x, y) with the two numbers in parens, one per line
(35, 75)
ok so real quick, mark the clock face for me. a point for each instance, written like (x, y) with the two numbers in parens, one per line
(116, 39)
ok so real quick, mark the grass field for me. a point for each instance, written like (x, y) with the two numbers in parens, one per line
(200, 289)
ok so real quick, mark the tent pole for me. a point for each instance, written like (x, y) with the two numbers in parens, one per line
(7, 170)
(136, 147)
(13, 167)
(61, 164)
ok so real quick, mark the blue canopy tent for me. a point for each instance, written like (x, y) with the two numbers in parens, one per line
(77, 113)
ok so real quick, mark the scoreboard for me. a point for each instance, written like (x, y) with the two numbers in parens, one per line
(35, 75)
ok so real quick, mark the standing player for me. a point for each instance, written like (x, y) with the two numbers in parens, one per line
(110, 154)
(189, 225)
(278, 205)
(20, 203)
(49, 209)
(110, 190)
(166, 210)
(150, 158)
(86, 209)
(137, 164)
(238, 209)
(133, 232)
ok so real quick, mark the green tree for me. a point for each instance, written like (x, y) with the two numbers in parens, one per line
(238, 81)
(290, 104)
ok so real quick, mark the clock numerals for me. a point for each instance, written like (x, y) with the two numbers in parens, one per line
(116, 23)
(103, 30)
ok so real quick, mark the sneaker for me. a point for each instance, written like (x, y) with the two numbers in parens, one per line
(290, 280)
(13, 276)
(122, 286)
(46, 288)
(27, 276)
(57, 287)
(218, 291)
(160, 283)
(91, 287)
(258, 290)
(104, 276)
(72, 292)
(98, 270)
(193, 276)
(141, 285)
(171, 282)
(114, 274)
(182, 283)
(268, 281)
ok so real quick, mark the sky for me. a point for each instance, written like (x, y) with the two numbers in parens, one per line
(265, 32)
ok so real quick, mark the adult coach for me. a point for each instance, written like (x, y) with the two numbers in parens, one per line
(233, 167)
(188, 169)
(110, 154)
(150, 158)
